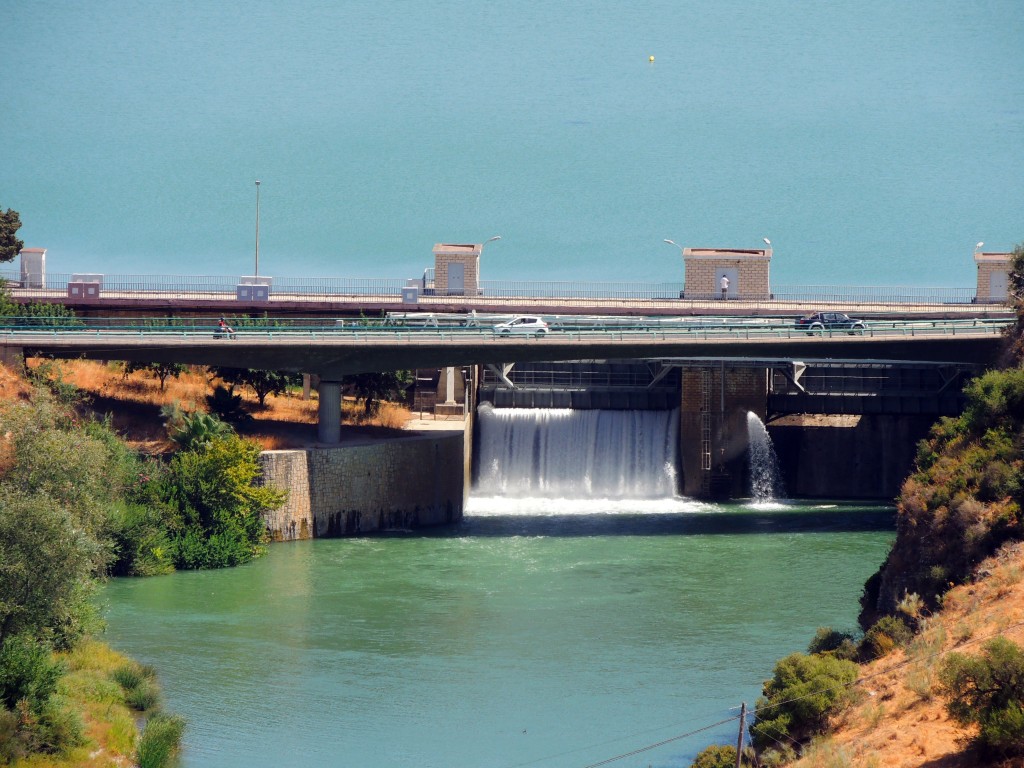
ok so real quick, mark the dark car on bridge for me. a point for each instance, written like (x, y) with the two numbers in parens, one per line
(829, 321)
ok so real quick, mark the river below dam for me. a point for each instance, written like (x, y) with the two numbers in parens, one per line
(546, 633)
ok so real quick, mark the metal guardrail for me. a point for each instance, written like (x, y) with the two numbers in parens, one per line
(55, 285)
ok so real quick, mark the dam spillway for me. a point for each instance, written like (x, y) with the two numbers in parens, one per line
(566, 453)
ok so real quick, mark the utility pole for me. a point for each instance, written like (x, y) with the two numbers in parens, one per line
(739, 737)
(256, 271)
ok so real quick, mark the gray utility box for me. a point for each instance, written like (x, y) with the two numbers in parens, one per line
(411, 292)
(80, 289)
(252, 288)
(85, 286)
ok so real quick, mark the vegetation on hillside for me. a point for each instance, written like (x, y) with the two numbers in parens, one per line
(60, 476)
(77, 504)
(964, 498)
(961, 505)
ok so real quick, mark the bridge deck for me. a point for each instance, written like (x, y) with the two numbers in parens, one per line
(333, 351)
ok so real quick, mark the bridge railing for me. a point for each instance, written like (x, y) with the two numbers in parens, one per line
(570, 293)
(276, 329)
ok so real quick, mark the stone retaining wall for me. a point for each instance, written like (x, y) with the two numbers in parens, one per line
(353, 489)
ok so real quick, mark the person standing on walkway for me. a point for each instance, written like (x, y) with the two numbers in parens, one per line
(725, 287)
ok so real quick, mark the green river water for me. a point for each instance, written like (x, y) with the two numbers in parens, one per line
(534, 633)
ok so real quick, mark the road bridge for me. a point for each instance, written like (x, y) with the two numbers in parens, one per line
(334, 351)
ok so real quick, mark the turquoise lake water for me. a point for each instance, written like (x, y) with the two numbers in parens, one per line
(873, 142)
(546, 633)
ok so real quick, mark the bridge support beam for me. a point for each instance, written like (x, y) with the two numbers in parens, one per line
(713, 434)
(328, 428)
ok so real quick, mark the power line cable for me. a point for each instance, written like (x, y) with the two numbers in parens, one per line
(661, 743)
(757, 710)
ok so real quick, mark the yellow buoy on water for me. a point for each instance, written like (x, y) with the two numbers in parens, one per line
(650, 58)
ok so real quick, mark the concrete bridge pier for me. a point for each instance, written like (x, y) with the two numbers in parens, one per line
(328, 427)
(713, 431)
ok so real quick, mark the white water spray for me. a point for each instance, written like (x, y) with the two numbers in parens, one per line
(576, 454)
(765, 478)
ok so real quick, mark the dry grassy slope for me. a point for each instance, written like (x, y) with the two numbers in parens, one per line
(897, 720)
(134, 406)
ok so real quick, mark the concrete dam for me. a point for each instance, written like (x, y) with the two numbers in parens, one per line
(623, 429)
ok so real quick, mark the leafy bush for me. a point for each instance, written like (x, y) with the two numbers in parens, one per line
(192, 430)
(42, 721)
(964, 500)
(46, 567)
(798, 699)
(215, 489)
(197, 550)
(161, 741)
(831, 641)
(988, 690)
(887, 633)
(715, 756)
(227, 405)
(141, 541)
(27, 672)
(12, 746)
(57, 728)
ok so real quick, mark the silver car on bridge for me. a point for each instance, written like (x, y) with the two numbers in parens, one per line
(525, 324)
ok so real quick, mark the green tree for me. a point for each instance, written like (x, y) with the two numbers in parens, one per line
(988, 690)
(47, 561)
(215, 488)
(55, 455)
(160, 371)
(798, 699)
(262, 383)
(1016, 279)
(372, 388)
(10, 245)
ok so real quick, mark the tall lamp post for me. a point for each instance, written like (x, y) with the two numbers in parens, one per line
(491, 240)
(256, 273)
(682, 254)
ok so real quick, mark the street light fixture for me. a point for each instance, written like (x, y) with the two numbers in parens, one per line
(256, 272)
(978, 247)
(677, 245)
(491, 240)
(767, 242)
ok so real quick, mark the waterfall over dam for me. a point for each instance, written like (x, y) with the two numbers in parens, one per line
(566, 453)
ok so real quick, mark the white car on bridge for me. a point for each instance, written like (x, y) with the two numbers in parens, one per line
(528, 324)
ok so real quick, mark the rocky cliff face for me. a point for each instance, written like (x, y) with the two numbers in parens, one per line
(963, 500)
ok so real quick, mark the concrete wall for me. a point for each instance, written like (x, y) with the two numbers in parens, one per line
(352, 489)
(732, 392)
(869, 459)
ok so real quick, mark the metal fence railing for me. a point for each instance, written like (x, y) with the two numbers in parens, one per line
(496, 292)
(305, 329)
